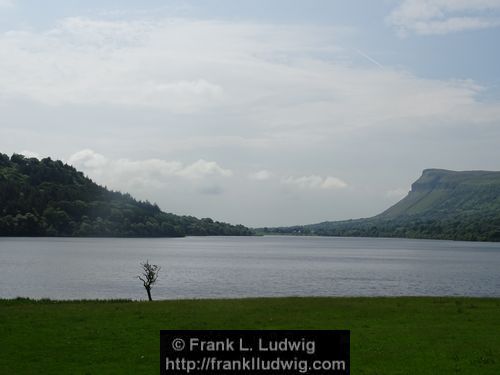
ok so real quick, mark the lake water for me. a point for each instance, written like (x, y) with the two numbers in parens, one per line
(201, 267)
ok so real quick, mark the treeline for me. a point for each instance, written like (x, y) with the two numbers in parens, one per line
(472, 227)
(49, 198)
(442, 204)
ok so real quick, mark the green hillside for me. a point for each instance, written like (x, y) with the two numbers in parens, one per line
(442, 204)
(50, 198)
(448, 193)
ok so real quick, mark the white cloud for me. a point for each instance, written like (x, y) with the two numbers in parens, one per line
(261, 175)
(333, 183)
(123, 173)
(396, 193)
(199, 87)
(315, 182)
(6, 3)
(426, 17)
(88, 159)
(30, 154)
(83, 61)
(202, 168)
(261, 73)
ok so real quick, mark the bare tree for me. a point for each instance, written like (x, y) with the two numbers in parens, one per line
(149, 276)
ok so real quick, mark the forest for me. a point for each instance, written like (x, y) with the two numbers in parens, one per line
(50, 198)
(476, 227)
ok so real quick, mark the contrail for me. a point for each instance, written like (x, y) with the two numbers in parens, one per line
(369, 58)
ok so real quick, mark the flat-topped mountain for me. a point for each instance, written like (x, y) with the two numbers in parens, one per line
(443, 193)
(50, 198)
(441, 204)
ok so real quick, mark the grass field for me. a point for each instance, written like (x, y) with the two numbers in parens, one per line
(388, 335)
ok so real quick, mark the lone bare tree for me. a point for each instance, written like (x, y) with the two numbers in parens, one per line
(149, 276)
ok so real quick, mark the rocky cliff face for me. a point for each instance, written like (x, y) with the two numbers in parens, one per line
(432, 179)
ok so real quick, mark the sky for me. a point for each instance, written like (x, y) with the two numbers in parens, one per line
(263, 113)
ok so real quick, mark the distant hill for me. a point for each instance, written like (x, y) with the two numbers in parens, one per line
(50, 198)
(442, 204)
(444, 193)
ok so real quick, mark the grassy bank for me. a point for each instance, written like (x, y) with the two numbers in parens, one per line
(388, 335)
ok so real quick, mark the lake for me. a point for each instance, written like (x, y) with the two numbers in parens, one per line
(208, 267)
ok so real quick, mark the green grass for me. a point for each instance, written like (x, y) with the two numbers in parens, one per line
(388, 335)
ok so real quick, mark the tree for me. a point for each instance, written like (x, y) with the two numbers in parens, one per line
(149, 276)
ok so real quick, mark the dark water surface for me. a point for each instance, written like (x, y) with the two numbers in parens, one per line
(199, 267)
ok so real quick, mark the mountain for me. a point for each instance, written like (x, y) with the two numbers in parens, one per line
(50, 198)
(442, 204)
(448, 194)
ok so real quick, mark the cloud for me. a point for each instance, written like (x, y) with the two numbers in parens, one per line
(430, 17)
(315, 182)
(122, 173)
(202, 168)
(261, 175)
(6, 3)
(30, 154)
(211, 190)
(198, 87)
(176, 65)
(333, 183)
(396, 193)
(88, 159)
(275, 81)
(89, 62)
